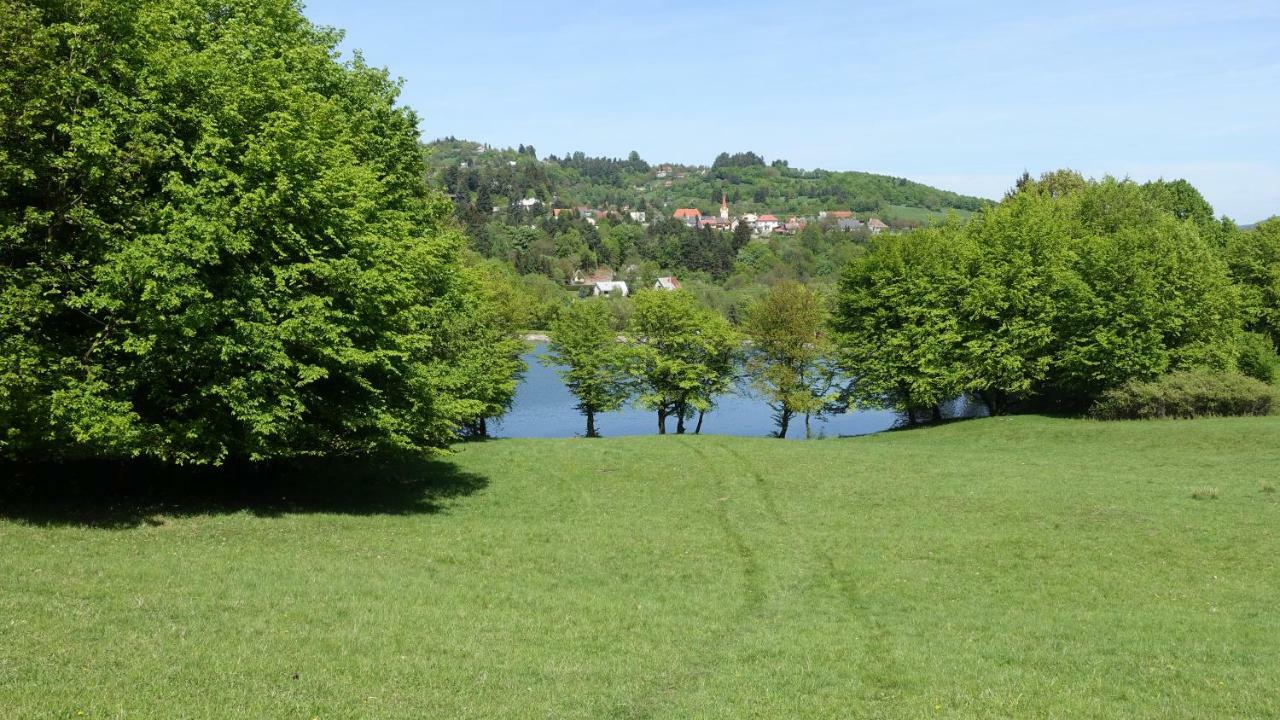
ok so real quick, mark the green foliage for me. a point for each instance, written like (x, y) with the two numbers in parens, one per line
(1258, 358)
(681, 354)
(584, 341)
(462, 168)
(1013, 262)
(789, 358)
(1180, 199)
(737, 160)
(1254, 259)
(545, 299)
(476, 326)
(1064, 290)
(215, 241)
(897, 323)
(1187, 395)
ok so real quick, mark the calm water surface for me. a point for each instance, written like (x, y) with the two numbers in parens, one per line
(544, 409)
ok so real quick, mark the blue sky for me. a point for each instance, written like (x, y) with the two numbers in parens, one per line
(964, 96)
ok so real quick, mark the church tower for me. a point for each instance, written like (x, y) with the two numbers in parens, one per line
(724, 206)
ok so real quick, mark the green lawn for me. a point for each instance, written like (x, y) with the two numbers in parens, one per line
(906, 212)
(1020, 567)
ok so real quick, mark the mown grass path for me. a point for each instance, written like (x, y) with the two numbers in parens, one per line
(1021, 567)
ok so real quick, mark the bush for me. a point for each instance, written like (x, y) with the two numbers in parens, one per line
(1258, 358)
(1187, 395)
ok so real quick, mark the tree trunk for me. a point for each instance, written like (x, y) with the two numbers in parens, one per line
(784, 421)
(808, 432)
(698, 430)
(482, 429)
(662, 421)
(937, 413)
(680, 410)
(591, 424)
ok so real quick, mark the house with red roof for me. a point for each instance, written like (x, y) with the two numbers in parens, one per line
(766, 224)
(690, 216)
(875, 225)
(603, 273)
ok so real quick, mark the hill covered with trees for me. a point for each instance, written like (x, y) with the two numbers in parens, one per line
(485, 175)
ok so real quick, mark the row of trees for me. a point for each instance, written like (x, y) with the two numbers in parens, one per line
(677, 356)
(216, 243)
(1066, 289)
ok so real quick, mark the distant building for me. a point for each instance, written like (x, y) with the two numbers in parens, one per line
(668, 283)
(637, 216)
(849, 224)
(530, 203)
(835, 214)
(766, 224)
(876, 226)
(610, 288)
(601, 274)
(724, 206)
(690, 216)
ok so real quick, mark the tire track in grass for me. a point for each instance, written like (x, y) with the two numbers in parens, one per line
(700, 662)
(752, 594)
(878, 667)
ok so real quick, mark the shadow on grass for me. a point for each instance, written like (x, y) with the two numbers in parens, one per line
(118, 496)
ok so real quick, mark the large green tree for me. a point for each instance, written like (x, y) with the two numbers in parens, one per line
(789, 360)
(1254, 260)
(1066, 289)
(584, 342)
(897, 322)
(681, 354)
(215, 240)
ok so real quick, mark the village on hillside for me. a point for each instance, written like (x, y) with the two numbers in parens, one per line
(768, 224)
(603, 280)
(762, 225)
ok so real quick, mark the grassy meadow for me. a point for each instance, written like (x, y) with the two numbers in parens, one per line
(1013, 567)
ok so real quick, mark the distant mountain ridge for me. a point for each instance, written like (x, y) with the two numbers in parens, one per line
(484, 175)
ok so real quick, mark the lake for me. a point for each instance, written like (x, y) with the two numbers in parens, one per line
(543, 408)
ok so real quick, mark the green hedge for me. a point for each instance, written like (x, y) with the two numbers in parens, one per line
(1188, 395)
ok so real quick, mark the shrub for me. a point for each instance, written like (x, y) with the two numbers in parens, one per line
(1258, 358)
(1187, 395)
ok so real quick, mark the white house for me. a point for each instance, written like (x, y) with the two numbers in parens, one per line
(610, 287)
(638, 216)
(766, 224)
(668, 283)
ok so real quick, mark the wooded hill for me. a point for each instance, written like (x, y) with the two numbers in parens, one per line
(486, 176)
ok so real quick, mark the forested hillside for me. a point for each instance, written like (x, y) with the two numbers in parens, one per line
(546, 220)
(489, 176)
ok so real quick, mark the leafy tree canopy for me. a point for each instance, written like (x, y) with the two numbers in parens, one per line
(215, 242)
